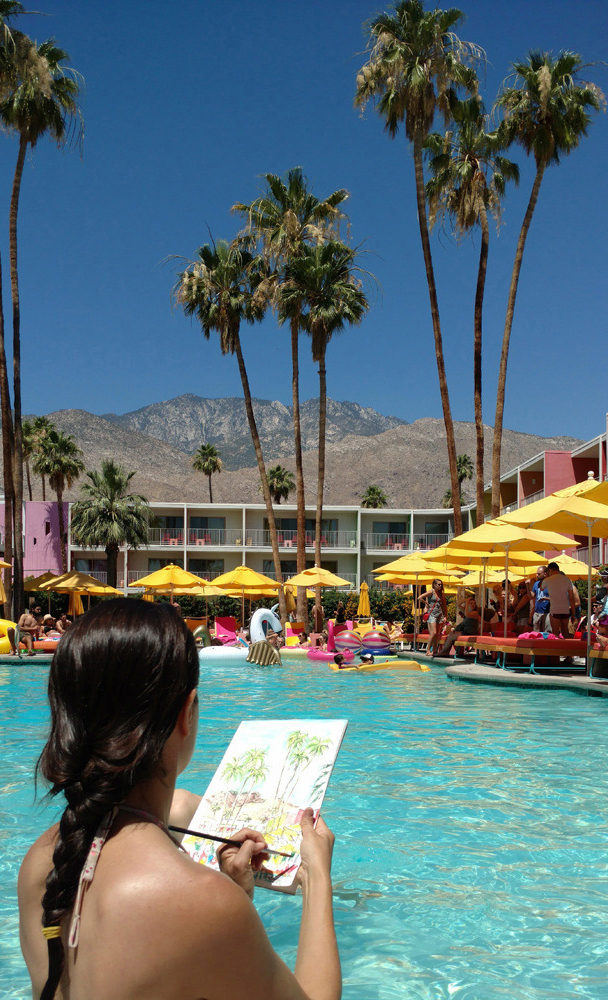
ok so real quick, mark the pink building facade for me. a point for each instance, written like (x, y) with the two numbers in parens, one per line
(42, 549)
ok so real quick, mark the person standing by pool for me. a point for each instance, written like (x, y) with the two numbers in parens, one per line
(561, 597)
(539, 615)
(437, 611)
(108, 904)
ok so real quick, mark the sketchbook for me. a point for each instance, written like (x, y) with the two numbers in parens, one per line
(271, 772)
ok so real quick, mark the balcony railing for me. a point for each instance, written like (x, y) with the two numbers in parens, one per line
(424, 541)
(384, 540)
(215, 537)
(288, 539)
(351, 577)
(583, 554)
(524, 501)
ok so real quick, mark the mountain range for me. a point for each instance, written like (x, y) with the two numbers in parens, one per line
(408, 461)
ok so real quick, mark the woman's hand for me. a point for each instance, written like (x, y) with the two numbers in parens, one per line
(315, 849)
(239, 863)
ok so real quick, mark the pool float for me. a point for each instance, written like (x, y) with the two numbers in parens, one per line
(376, 641)
(261, 620)
(46, 645)
(327, 656)
(370, 668)
(347, 641)
(5, 646)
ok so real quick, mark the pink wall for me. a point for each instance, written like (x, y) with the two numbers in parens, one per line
(559, 471)
(530, 482)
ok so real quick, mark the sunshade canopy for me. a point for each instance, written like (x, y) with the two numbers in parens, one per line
(575, 514)
(167, 578)
(498, 535)
(244, 578)
(474, 559)
(412, 563)
(71, 582)
(575, 569)
(36, 582)
(316, 576)
(363, 608)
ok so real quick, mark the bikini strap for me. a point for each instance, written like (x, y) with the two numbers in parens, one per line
(87, 873)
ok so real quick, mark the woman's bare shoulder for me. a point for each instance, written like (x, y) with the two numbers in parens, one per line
(183, 807)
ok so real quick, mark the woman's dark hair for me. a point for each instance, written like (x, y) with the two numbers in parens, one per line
(117, 684)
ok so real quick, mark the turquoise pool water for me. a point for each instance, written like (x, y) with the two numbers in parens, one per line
(470, 823)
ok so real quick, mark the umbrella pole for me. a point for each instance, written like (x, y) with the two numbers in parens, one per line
(506, 597)
(483, 594)
(414, 609)
(588, 668)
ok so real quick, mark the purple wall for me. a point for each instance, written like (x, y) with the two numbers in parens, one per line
(42, 551)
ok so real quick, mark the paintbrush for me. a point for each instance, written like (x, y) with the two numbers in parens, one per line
(224, 840)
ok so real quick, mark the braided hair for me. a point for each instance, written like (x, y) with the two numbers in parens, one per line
(117, 684)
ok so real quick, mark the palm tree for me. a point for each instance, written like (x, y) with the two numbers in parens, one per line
(281, 483)
(374, 497)
(110, 516)
(415, 63)
(284, 220)
(41, 100)
(465, 470)
(8, 9)
(33, 432)
(546, 113)
(468, 181)
(323, 281)
(60, 460)
(219, 288)
(207, 460)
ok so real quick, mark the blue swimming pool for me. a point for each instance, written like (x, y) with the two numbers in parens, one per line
(471, 827)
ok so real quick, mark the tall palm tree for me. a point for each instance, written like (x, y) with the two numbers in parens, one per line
(324, 281)
(41, 101)
(110, 515)
(284, 220)
(281, 483)
(416, 62)
(34, 431)
(8, 10)
(546, 112)
(219, 288)
(60, 459)
(374, 498)
(468, 181)
(207, 460)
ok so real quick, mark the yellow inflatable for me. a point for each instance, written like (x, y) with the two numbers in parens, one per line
(5, 646)
(370, 668)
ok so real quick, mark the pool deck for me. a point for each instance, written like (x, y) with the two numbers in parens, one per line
(483, 673)
(7, 660)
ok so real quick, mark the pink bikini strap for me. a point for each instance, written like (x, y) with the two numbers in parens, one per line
(87, 873)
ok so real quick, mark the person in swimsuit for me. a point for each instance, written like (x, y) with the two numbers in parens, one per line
(437, 611)
(109, 906)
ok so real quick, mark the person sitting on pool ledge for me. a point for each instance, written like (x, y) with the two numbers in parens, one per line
(108, 904)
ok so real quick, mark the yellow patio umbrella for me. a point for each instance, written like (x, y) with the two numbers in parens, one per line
(36, 582)
(499, 536)
(166, 579)
(575, 569)
(363, 609)
(204, 589)
(290, 600)
(411, 563)
(72, 581)
(75, 605)
(245, 581)
(316, 576)
(589, 488)
(104, 590)
(569, 511)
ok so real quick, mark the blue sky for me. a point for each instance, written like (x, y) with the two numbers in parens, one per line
(186, 105)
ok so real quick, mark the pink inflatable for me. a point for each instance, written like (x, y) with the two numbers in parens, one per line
(323, 654)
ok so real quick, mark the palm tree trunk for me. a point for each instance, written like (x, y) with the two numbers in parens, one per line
(111, 563)
(255, 437)
(43, 487)
(301, 602)
(321, 465)
(443, 385)
(62, 542)
(18, 446)
(210, 490)
(7, 461)
(504, 354)
(477, 355)
(28, 478)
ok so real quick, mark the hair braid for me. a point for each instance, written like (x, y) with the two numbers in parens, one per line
(117, 683)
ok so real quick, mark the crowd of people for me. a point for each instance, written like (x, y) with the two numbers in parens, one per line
(549, 603)
(34, 625)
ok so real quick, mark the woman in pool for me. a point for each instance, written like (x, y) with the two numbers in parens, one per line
(109, 905)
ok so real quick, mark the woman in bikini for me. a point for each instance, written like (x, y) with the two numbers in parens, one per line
(110, 907)
(437, 611)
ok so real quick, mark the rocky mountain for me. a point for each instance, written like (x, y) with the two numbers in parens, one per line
(408, 461)
(188, 421)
